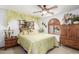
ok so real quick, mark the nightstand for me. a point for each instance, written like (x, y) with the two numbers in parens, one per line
(10, 42)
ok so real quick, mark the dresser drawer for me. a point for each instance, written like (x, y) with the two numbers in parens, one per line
(71, 43)
(71, 38)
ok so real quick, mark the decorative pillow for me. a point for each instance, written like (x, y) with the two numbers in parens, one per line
(33, 32)
(24, 32)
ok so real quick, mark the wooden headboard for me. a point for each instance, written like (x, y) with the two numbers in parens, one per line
(26, 24)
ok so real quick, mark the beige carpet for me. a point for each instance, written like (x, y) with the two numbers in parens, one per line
(60, 50)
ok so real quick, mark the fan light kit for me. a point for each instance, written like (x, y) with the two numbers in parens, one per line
(45, 9)
(44, 12)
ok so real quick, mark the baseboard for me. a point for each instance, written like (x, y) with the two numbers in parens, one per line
(1, 47)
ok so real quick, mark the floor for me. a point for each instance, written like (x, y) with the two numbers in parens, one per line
(60, 50)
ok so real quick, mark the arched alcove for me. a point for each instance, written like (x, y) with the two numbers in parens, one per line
(54, 26)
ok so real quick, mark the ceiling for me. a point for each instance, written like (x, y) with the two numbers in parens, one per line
(29, 9)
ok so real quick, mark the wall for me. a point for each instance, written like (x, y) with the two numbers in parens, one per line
(15, 26)
(2, 26)
(46, 19)
(11, 18)
(58, 16)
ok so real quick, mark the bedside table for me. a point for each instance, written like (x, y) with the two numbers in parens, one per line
(10, 42)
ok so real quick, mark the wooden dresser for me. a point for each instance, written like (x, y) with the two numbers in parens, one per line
(10, 42)
(70, 35)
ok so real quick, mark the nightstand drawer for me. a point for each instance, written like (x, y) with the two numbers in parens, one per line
(9, 42)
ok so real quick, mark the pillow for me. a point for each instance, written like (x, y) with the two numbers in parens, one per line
(24, 32)
(33, 32)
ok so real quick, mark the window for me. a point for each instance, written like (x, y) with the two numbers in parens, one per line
(54, 26)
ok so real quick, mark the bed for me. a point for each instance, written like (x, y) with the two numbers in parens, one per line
(36, 43)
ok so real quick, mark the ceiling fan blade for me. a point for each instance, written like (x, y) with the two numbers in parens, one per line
(50, 12)
(40, 7)
(52, 7)
(37, 11)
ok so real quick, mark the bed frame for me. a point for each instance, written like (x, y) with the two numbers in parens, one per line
(26, 24)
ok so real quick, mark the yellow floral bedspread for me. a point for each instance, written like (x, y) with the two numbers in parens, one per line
(38, 43)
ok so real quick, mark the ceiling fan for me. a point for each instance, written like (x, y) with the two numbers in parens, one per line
(44, 9)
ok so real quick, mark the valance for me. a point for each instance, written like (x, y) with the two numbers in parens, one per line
(10, 15)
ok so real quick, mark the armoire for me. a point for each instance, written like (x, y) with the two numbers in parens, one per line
(70, 35)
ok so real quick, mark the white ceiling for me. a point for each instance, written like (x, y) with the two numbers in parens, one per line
(29, 9)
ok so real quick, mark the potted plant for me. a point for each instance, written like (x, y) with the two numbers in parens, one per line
(71, 18)
(74, 19)
(41, 30)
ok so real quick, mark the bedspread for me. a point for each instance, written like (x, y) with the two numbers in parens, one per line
(38, 43)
